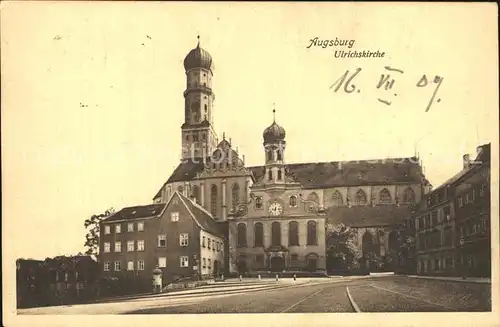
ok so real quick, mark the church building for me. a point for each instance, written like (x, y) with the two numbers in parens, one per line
(271, 217)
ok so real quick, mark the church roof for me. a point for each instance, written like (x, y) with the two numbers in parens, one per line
(353, 173)
(368, 216)
(144, 211)
(328, 174)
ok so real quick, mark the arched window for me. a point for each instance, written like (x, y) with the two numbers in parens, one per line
(279, 174)
(337, 199)
(258, 202)
(293, 233)
(195, 193)
(276, 234)
(269, 155)
(270, 175)
(293, 201)
(393, 240)
(258, 235)
(409, 195)
(360, 198)
(368, 245)
(385, 196)
(235, 192)
(213, 200)
(278, 155)
(311, 233)
(180, 189)
(242, 236)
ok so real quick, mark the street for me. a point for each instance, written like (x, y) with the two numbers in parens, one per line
(348, 294)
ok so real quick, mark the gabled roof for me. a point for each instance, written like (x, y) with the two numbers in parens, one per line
(143, 211)
(367, 216)
(202, 217)
(327, 174)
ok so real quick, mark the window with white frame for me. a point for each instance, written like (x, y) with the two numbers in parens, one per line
(118, 246)
(184, 261)
(107, 229)
(118, 229)
(107, 247)
(162, 262)
(204, 241)
(140, 265)
(140, 226)
(209, 263)
(140, 245)
(174, 216)
(213, 246)
(118, 265)
(130, 227)
(162, 241)
(204, 262)
(209, 243)
(184, 239)
(107, 265)
(130, 265)
(130, 246)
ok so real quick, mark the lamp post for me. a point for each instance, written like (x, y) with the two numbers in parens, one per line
(464, 272)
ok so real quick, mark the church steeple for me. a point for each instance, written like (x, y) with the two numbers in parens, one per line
(274, 147)
(198, 135)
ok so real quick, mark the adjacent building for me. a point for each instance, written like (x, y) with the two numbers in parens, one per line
(179, 237)
(452, 224)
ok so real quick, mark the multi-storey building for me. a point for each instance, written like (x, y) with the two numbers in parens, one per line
(272, 216)
(179, 237)
(452, 225)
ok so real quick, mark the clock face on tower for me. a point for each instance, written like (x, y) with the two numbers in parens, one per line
(275, 209)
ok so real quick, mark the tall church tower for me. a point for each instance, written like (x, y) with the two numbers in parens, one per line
(198, 135)
(274, 146)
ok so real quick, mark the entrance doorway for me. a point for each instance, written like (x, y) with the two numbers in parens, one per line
(216, 268)
(277, 264)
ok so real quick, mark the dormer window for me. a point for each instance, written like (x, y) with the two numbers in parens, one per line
(258, 202)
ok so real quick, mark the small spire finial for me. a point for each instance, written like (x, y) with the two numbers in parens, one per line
(198, 37)
(223, 135)
(274, 112)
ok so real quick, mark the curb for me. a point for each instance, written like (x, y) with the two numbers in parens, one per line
(450, 280)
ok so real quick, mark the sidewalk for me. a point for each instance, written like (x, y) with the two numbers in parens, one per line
(477, 280)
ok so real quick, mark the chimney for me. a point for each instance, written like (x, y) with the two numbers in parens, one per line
(466, 159)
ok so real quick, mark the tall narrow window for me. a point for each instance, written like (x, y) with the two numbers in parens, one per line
(311, 233)
(278, 155)
(360, 198)
(385, 196)
(242, 236)
(337, 199)
(276, 233)
(270, 175)
(293, 201)
(195, 193)
(235, 192)
(213, 200)
(409, 195)
(269, 155)
(258, 202)
(258, 235)
(293, 233)
(279, 174)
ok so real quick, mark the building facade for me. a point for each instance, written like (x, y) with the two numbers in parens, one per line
(452, 225)
(274, 215)
(179, 237)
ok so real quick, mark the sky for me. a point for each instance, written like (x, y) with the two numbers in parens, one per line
(92, 98)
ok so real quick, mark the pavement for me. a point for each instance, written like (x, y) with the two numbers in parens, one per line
(347, 294)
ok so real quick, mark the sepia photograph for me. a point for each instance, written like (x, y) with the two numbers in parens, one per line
(200, 159)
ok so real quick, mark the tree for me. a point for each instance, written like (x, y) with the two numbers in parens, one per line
(92, 237)
(341, 248)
